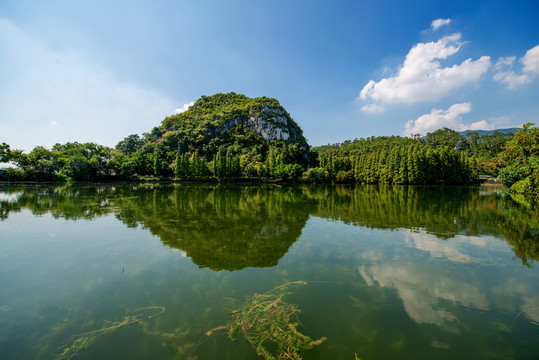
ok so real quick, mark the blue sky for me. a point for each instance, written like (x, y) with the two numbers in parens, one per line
(98, 71)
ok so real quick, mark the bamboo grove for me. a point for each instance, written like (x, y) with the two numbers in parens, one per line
(416, 164)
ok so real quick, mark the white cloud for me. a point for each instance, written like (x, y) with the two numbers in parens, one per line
(478, 125)
(450, 118)
(506, 75)
(373, 108)
(530, 68)
(422, 77)
(438, 23)
(531, 60)
(512, 79)
(504, 61)
(50, 96)
(183, 108)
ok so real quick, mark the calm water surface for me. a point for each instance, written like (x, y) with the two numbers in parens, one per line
(392, 272)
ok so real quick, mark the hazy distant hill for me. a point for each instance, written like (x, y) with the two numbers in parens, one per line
(490, 132)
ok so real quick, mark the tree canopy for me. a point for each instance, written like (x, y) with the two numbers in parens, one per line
(521, 155)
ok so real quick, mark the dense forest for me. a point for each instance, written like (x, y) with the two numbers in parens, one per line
(230, 137)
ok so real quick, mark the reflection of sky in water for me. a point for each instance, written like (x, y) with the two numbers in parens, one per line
(10, 198)
(422, 291)
(459, 270)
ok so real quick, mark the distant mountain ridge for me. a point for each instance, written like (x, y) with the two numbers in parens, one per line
(489, 132)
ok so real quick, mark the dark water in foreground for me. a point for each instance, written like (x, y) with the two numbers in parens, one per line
(392, 272)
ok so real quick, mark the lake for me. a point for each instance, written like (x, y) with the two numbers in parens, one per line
(133, 271)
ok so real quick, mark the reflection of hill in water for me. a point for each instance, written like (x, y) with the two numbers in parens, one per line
(221, 228)
(233, 227)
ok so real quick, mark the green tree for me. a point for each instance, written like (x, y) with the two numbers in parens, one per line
(232, 164)
(40, 164)
(77, 167)
(178, 166)
(446, 137)
(130, 144)
(522, 157)
(315, 175)
(197, 165)
(5, 152)
(158, 167)
(120, 164)
(220, 163)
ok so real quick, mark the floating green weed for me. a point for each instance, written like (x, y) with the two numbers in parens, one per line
(270, 325)
(82, 341)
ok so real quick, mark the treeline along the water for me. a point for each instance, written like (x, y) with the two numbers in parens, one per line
(376, 160)
(226, 137)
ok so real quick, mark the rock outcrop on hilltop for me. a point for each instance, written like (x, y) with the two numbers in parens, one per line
(272, 125)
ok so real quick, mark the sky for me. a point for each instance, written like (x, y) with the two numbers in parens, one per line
(98, 71)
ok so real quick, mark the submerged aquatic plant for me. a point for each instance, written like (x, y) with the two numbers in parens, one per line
(82, 341)
(270, 325)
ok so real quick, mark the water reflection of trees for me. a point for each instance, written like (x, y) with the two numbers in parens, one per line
(441, 211)
(232, 227)
(221, 227)
(67, 202)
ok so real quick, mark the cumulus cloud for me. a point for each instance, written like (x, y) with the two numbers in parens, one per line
(531, 60)
(450, 118)
(422, 77)
(507, 76)
(530, 68)
(50, 95)
(438, 23)
(373, 108)
(183, 108)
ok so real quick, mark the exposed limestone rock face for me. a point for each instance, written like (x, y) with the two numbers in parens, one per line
(273, 125)
(275, 128)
